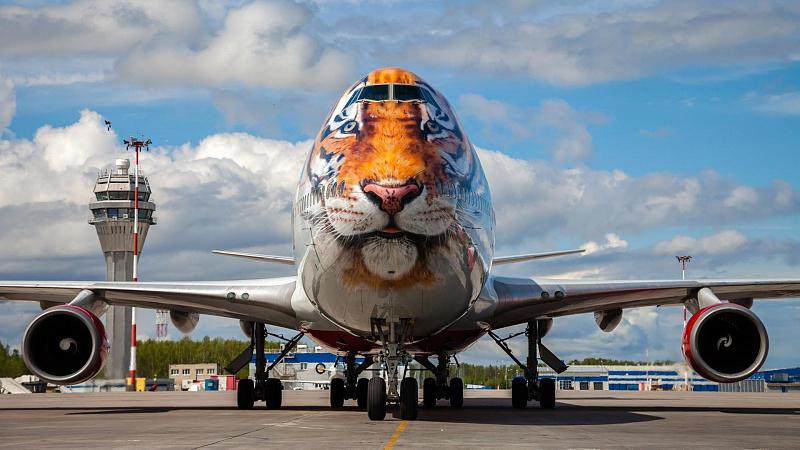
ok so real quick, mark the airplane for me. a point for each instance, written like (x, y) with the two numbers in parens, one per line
(393, 239)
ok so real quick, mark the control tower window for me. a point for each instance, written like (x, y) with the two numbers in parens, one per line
(407, 92)
(113, 213)
(118, 195)
(102, 195)
(375, 93)
(143, 196)
(99, 213)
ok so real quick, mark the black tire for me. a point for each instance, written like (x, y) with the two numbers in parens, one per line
(244, 394)
(519, 393)
(376, 399)
(274, 393)
(362, 389)
(409, 393)
(429, 392)
(337, 393)
(547, 393)
(456, 392)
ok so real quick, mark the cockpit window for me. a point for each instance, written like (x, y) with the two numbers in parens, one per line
(407, 92)
(375, 93)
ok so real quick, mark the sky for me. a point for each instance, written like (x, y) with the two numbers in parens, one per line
(637, 129)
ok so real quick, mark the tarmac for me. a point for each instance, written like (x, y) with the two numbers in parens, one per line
(593, 419)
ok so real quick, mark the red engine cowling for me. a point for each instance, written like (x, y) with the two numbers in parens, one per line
(65, 345)
(725, 342)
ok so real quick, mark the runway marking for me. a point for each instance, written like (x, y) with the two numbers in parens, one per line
(396, 435)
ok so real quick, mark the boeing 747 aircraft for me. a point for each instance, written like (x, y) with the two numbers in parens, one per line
(394, 244)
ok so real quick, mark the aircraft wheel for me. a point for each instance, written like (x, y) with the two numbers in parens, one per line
(274, 393)
(408, 399)
(244, 395)
(429, 392)
(547, 393)
(376, 399)
(337, 393)
(519, 392)
(456, 392)
(362, 390)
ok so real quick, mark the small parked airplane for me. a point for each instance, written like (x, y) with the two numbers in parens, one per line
(394, 244)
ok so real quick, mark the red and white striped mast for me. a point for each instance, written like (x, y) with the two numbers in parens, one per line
(137, 145)
(684, 260)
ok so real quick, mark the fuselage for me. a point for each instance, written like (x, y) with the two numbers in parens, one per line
(393, 216)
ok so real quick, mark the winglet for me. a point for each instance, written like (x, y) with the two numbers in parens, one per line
(521, 258)
(288, 260)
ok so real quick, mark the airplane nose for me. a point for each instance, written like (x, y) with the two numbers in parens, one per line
(391, 199)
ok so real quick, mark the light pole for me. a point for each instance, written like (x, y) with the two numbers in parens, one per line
(683, 260)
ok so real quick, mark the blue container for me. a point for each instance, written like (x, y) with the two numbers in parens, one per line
(212, 385)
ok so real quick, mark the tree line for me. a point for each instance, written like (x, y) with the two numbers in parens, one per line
(11, 364)
(154, 357)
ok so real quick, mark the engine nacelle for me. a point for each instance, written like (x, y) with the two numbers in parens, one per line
(65, 344)
(184, 321)
(608, 320)
(725, 342)
(247, 328)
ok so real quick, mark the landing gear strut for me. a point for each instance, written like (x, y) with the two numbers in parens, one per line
(263, 388)
(530, 387)
(380, 392)
(437, 388)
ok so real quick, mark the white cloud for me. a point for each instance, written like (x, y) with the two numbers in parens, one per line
(97, 27)
(613, 241)
(8, 103)
(582, 47)
(538, 198)
(60, 79)
(554, 123)
(787, 103)
(726, 241)
(231, 190)
(741, 197)
(261, 44)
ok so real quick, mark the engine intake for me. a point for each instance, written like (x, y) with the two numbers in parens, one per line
(65, 345)
(184, 321)
(725, 342)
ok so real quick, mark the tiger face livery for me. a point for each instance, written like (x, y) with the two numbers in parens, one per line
(384, 191)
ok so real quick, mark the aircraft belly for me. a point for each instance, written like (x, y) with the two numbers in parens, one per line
(432, 303)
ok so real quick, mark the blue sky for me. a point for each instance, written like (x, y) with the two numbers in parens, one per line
(644, 127)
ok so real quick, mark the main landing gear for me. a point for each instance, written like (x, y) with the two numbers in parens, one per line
(437, 388)
(530, 387)
(262, 388)
(380, 392)
(351, 387)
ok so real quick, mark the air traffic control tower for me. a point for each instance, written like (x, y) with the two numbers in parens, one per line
(112, 216)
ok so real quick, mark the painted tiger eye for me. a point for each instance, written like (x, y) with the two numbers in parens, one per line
(432, 127)
(350, 126)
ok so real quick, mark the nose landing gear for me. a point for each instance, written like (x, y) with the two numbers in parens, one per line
(530, 387)
(380, 394)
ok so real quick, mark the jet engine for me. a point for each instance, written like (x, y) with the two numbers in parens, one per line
(725, 342)
(184, 321)
(65, 345)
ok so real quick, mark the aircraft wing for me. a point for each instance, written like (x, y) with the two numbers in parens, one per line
(267, 300)
(519, 300)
